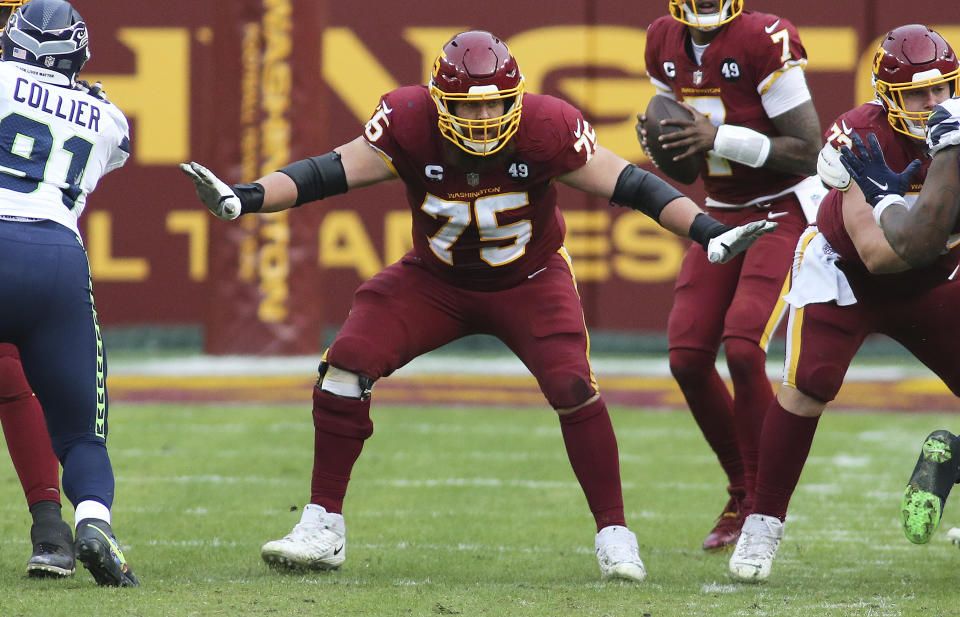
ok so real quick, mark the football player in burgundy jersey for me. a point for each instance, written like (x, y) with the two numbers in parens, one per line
(918, 233)
(848, 280)
(478, 158)
(740, 73)
(28, 442)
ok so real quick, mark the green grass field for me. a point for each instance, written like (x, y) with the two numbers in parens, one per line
(470, 511)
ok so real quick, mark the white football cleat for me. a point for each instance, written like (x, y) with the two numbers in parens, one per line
(954, 535)
(317, 542)
(759, 540)
(618, 554)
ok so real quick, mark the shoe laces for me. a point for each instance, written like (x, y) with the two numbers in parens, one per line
(759, 544)
(49, 548)
(619, 550)
(317, 533)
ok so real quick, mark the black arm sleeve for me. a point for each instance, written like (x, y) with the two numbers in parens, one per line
(251, 196)
(643, 191)
(317, 177)
(705, 228)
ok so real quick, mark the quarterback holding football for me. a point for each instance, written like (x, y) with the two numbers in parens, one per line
(754, 133)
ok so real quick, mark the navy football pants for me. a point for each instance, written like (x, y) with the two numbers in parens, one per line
(47, 311)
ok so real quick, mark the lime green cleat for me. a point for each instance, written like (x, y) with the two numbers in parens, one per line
(98, 551)
(933, 476)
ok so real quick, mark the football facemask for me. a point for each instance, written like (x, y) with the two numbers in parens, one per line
(685, 11)
(476, 67)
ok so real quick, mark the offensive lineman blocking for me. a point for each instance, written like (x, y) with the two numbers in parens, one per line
(478, 158)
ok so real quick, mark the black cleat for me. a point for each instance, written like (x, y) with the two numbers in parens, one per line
(52, 550)
(98, 551)
(934, 475)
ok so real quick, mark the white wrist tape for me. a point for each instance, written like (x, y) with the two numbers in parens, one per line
(740, 144)
(883, 204)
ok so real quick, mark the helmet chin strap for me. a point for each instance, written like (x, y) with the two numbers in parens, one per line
(480, 147)
(707, 22)
(919, 132)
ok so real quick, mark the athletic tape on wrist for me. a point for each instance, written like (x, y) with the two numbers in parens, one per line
(883, 204)
(743, 145)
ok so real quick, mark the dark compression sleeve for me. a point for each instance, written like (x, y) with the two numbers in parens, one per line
(251, 196)
(705, 228)
(317, 177)
(643, 191)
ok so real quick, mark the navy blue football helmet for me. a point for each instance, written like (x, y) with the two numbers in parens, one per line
(50, 36)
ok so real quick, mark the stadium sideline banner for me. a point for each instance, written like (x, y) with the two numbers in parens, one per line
(247, 86)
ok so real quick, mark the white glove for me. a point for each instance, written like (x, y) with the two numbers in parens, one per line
(732, 242)
(213, 192)
(831, 170)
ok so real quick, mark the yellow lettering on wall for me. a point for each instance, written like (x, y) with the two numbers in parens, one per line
(344, 243)
(429, 41)
(543, 50)
(344, 56)
(273, 258)
(157, 94)
(104, 266)
(273, 266)
(247, 249)
(397, 237)
(645, 252)
(829, 48)
(249, 99)
(195, 224)
(588, 243)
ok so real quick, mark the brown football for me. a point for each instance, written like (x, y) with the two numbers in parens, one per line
(660, 108)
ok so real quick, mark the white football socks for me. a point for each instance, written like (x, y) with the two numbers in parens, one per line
(91, 509)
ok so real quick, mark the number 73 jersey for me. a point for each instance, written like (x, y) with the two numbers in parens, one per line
(483, 223)
(55, 145)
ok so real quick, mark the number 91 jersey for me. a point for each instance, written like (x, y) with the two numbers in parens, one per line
(55, 145)
(484, 223)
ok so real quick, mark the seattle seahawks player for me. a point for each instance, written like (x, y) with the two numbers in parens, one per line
(28, 443)
(56, 142)
(478, 157)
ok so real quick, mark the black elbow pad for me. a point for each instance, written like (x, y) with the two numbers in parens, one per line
(643, 191)
(317, 177)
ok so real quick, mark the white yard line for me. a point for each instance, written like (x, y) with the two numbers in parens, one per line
(447, 364)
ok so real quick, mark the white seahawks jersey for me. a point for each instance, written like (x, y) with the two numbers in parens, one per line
(943, 126)
(55, 145)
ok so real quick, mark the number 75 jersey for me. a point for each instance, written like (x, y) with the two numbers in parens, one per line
(482, 223)
(55, 145)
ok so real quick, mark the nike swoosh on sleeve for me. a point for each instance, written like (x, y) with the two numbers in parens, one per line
(769, 29)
